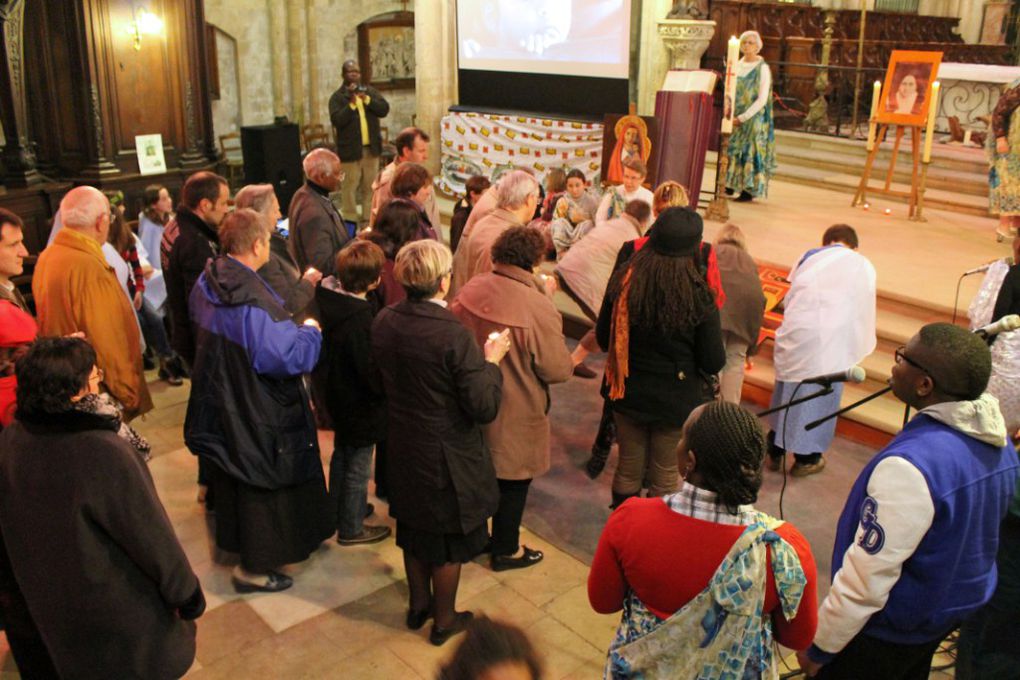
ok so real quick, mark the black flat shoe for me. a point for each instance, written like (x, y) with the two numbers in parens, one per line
(744, 197)
(528, 559)
(274, 584)
(415, 620)
(440, 635)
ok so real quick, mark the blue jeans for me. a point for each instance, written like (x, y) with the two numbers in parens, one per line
(349, 470)
(152, 329)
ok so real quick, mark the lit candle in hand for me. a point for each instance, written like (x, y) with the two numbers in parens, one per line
(933, 111)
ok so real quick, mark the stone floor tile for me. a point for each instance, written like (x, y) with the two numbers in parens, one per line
(573, 611)
(557, 573)
(227, 630)
(564, 651)
(300, 652)
(331, 577)
(367, 622)
(380, 663)
(505, 604)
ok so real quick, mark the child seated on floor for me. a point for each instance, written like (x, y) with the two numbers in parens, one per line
(572, 213)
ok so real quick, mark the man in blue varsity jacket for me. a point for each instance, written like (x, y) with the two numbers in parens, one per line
(915, 547)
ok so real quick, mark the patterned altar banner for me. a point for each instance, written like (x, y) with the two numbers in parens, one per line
(490, 145)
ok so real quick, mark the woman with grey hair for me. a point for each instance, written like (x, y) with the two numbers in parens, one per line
(752, 148)
(440, 388)
(281, 272)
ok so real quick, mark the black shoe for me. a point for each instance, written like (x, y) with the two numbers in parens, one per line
(176, 364)
(506, 562)
(440, 635)
(744, 197)
(597, 463)
(417, 619)
(582, 371)
(620, 498)
(369, 534)
(148, 363)
(275, 583)
(168, 376)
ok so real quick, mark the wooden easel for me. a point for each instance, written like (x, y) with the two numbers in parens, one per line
(915, 153)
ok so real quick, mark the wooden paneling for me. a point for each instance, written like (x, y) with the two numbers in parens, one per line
(144, 81)
(91, 92)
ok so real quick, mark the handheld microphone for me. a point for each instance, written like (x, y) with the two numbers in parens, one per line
(854, 374)
(1010, 322)
(986, 266)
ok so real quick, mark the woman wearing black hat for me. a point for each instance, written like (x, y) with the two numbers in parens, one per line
(660, 325)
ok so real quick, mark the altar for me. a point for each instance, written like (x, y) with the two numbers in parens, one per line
(970, 91)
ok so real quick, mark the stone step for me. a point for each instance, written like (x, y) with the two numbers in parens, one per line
(842, 179)
(946, 156)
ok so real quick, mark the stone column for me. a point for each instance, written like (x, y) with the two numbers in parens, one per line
(296, 24)
(435, 55)
(653, 58)
(312, 52)
(278, 45)
(19, 160)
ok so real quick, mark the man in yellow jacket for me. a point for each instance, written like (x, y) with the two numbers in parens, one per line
(76, 291)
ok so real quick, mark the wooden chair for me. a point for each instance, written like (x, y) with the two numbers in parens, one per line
(313, 136)
(233, 158)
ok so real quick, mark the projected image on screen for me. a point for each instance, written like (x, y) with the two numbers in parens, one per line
(568, 37)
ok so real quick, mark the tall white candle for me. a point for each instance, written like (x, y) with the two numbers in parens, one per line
(933, 111)
(872, 124)
(729, 83)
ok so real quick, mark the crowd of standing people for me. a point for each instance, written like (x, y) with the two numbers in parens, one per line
(434, 363)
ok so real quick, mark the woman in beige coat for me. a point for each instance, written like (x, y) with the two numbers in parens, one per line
(510, 296)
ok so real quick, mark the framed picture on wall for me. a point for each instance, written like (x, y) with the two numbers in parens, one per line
(626, 137)
(386, 51)
(906, 93)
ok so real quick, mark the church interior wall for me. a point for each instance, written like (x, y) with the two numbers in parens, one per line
(289, 55)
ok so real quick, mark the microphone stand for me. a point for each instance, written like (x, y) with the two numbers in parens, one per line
(815, 423)
(790, 404)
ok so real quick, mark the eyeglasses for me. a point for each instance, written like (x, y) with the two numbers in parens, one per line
(901, 356)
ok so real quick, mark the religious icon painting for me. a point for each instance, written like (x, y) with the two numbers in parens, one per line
(628, 137)
(906, 94)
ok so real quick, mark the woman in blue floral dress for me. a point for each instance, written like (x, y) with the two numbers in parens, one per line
(752, 149)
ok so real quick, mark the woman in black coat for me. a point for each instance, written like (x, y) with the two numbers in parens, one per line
(660, 325)
(440, 388)
(88, 543)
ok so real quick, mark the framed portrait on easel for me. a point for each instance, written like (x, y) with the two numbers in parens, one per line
(629, 136)
(906, 93)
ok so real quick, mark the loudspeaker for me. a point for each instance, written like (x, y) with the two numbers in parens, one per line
(272, 154)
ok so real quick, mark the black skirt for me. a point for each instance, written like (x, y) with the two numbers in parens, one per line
(434, 548)
(270, 528)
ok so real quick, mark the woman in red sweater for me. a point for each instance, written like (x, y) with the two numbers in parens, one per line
(705, 580)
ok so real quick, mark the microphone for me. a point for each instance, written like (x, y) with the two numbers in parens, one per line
(854, 374)
(986, 266)
(1010, 322)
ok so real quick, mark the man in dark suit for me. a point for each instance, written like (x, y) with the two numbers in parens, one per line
(355, 110)
(317, 231)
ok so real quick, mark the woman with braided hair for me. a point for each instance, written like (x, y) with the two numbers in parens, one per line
(660, 325)
(705, 581)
